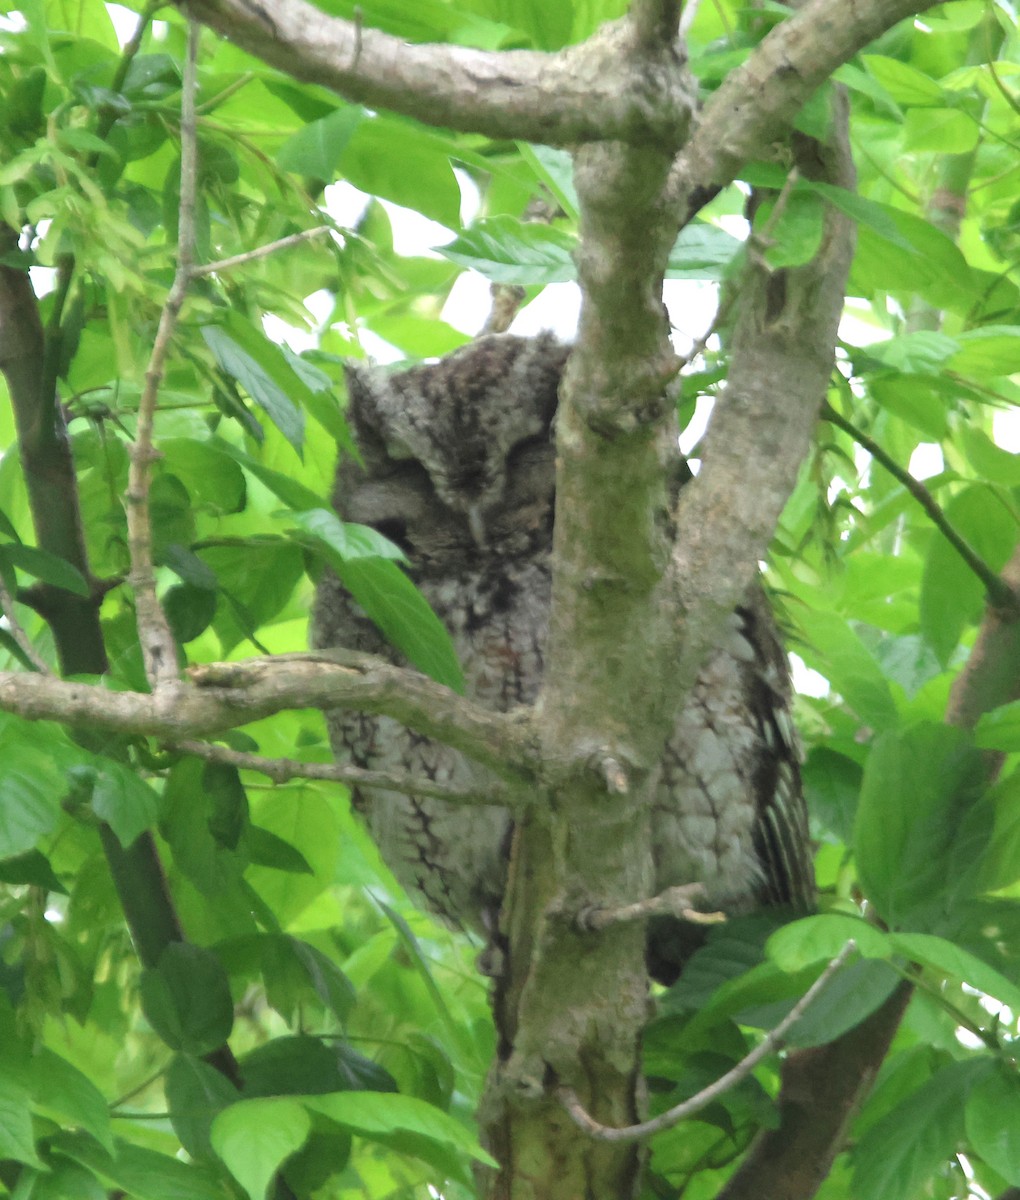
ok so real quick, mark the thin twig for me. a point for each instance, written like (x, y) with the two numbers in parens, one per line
(19, 635)
(1000, 594)
(672, 1116)
(237, 260)
(280, 770)
(673, 902)
(159, 651)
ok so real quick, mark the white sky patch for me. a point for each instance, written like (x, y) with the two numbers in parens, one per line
(1006, 429)
(807, 681)
(926, 460)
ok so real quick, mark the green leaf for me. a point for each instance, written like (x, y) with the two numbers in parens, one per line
(702, 251)
(345, 539)
(60, 1090)
(31, 787)
(228, 815)
(838, 652)
(898, 1154)
(999, 729)
(40, 564)
(402, 1123)
(17, 1140)
(905, 84)
(139, 1172)
(919, 786)
(989, 461)
(915, 398)
(292, 971)
(992, 1121)
(260, 367)
(404, 616)
(988, 352)
(506, 250)
(31, 868)
(190, 611)
(793, 239)
(555, 168)
(290, 491)
(802, 943)
(195, 1093)
(214, 480)
(125, 802)
(254, 1137)
(944, 956)
(952, 596)
(186, 999)
(268, 850)
(942, 130)
(405, 163)
(917, 353)
(316, 149)
(1000, 864)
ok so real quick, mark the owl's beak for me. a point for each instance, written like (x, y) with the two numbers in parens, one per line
(476, 524)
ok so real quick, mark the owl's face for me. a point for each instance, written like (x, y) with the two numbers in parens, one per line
(458, 460)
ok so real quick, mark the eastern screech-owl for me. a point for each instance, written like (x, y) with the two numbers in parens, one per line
(458, 470)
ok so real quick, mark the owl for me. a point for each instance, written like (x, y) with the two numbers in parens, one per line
(458, 469)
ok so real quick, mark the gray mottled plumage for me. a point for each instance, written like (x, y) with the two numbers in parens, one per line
(458, 469)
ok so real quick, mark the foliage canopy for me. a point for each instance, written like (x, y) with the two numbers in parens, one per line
(360, 1028)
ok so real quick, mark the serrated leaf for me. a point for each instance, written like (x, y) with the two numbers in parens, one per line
(992, 1122)
(17, 1140)
(897, 1155)
(702, 251)
(30, 793)
(915, 353)
(260, 367)
(125, 802)
(918, 790)
(506, 250)
(952, 596)
(953, 960)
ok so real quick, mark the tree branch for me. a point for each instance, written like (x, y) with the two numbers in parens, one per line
(225, 695)
(758, 101)
(772, 1041)
(159, 651)
(280, 770)
(597, 90)
(1000, 594)
(782, 357)
(655, 22)
(821, 1091)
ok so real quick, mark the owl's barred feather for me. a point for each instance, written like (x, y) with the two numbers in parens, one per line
(458, 469)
